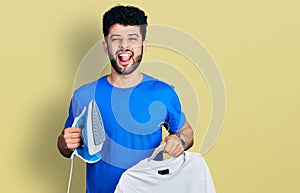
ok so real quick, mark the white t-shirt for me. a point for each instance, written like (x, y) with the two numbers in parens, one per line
(187, 173)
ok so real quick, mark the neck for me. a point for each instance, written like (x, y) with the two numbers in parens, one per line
(125, 81)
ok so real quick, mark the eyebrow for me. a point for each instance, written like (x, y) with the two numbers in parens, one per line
(114, 35)
(133, 35)
(118, 35)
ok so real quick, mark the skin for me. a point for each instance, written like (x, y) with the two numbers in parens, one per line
(124, 74)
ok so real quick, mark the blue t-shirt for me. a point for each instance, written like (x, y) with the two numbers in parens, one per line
(133, 119)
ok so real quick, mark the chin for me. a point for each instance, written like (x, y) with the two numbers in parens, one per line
(129, 71)
(129, 68)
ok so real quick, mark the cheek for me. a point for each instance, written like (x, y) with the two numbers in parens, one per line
(112, 50)
(113, 47)
(138, 50)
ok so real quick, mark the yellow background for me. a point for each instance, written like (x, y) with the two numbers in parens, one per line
(255, 44)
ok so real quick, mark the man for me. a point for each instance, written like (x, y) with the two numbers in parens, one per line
(134, 106)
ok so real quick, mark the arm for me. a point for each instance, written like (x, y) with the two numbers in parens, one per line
(187, 134)
(68, 140)
(174, 146)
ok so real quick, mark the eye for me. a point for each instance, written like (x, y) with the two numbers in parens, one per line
(132, 39)
(116, 39)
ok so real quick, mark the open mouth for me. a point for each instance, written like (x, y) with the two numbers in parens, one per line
(124, 57)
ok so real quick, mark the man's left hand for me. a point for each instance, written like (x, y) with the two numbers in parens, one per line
(174, 146)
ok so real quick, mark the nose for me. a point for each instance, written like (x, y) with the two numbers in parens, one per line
(124, 44)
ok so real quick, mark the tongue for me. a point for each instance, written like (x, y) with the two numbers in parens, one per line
(125, 58)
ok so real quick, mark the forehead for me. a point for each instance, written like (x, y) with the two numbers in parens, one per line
(118, 29)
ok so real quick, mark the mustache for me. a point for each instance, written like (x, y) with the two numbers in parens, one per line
(124, 50)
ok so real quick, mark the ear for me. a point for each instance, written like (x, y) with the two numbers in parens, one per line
(145, 44)
(104, 45)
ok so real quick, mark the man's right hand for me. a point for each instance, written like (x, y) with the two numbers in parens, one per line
(69, 140)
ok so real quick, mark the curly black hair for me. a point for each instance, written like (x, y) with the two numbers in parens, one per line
(124, 15)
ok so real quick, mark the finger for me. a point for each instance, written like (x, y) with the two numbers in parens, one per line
(73, 135)
(174, 150)
(162, 142)
(170, 149)
(73, 141)
(70, 136)
(73, 146)
(177, 151)
(72, 130)
(174, 146)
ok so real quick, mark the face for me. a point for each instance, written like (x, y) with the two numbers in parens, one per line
(125, 48)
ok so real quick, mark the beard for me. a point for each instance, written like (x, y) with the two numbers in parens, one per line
(136, 62)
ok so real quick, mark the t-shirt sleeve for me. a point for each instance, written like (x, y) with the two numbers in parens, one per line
(175, 117)
(70, 118)
(74, 111)
(81, 98)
